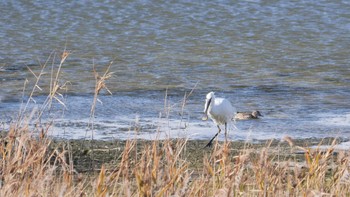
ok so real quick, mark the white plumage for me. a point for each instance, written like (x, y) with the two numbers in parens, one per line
(219, 110)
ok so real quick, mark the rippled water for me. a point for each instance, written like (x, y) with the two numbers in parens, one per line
(290, 60)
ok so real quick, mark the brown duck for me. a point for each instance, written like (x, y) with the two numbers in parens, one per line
(247, 115)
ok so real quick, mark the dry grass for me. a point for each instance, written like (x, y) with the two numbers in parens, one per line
(31, 167)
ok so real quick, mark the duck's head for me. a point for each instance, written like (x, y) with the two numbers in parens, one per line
(256, 114)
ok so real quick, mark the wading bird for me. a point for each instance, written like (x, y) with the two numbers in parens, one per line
(219, 110)
(247, 115)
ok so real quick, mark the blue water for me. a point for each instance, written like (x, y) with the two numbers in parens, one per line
(289, 60)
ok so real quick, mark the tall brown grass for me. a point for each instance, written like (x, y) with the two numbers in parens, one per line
(31, 166)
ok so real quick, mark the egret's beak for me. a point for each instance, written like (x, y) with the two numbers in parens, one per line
(206, 110)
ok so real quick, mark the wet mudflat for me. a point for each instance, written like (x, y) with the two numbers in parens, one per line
(88, 156)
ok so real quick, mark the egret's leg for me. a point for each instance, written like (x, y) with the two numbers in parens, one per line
(225, 131)
(210, 142)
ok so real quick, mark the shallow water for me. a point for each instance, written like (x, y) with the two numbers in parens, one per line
(290, 60)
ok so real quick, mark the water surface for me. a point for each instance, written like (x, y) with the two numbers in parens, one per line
(290, 60)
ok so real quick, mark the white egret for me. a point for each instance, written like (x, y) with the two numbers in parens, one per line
(247, 115)
(220, 111)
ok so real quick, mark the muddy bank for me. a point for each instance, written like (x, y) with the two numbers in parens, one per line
(88, 156)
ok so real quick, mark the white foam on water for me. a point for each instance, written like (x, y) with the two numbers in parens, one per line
(334, 119)
(139, 127)
(341, 146)
(155, 128)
